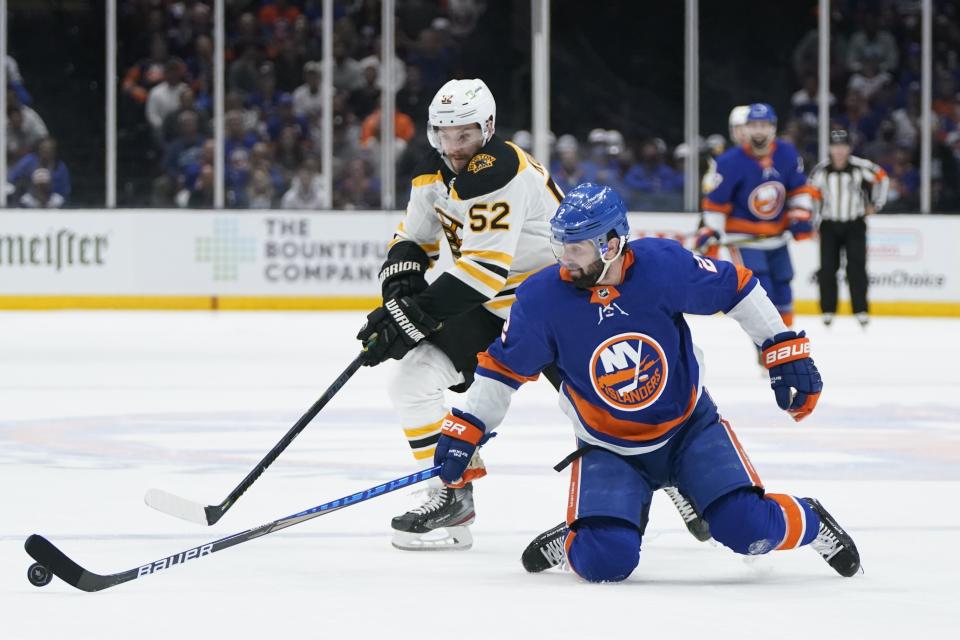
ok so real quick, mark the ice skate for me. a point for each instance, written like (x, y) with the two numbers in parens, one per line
(546, 550)
(834, 544)
(696, 525)
(440, 523)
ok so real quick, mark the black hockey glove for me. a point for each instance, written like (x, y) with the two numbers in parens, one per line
(402, 274)
(394, 329)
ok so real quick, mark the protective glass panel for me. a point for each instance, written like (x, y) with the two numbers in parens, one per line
(616, 90)
(55, 104)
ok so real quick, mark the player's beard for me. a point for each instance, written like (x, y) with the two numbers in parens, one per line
(760, 144)
(588, 276)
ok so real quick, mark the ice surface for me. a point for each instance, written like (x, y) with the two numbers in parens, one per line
(99, 407)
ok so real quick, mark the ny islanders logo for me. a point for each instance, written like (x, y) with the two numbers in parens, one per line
(629, 371)
(767, 199)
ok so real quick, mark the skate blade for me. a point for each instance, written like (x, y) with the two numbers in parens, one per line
(442, 539)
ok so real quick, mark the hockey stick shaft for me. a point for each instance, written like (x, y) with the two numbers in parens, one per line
(212, 513)
(44, 552)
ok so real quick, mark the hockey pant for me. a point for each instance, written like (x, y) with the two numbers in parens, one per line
(446, 360)
(610, 495)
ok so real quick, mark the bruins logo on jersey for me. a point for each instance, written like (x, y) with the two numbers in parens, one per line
(480, 162)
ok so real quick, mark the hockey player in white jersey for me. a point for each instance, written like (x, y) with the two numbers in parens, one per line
(493, 203)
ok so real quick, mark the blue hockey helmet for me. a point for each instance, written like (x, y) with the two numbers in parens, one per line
(762, 112)
(589, 212)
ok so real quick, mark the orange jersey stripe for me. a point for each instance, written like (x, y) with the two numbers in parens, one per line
(803, 189)
(487, 361)
(794, 521)
(599, 419)
(744, 459)
(710, 205)
(738, 225)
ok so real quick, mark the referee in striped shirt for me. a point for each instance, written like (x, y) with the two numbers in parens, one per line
(851, 189)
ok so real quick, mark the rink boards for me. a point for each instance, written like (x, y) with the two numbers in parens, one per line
(177, 259)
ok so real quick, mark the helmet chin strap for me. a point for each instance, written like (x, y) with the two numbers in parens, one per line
(607, 263)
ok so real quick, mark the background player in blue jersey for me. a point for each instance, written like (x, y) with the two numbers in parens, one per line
(758, 194)
(632, 388)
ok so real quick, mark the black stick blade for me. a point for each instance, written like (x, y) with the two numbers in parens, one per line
(44, 552)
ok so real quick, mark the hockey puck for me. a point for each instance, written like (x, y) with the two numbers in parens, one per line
(39, 575)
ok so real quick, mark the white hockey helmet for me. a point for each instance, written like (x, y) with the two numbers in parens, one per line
(461, 102)
(738, 118)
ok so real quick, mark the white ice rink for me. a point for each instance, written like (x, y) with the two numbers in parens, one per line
(96, 408)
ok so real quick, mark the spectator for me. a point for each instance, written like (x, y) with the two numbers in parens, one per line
(857, 120)
(25, 128)
(284, 117)
(869, 80)
(652, 175)
(365, 98)
(200, 68)
(276, 11)
(186, 148)
(15, 82)
(289, 152)
(191, 172)
(435, 61)
(148, 73)
(307, 98)
(872, 42)
(806, 100)
(45, 157)
(260, 191)
(244, 70)
(567, 170)
(904, 182)
(261, 158)
(399, 68)
(906, 121)
(264, 99)
(306, 189)
(403, 128)
(171, 124)
(246, 37)
(357, 189)
(347, 75)
(413, 99)
(164, 98)
(289, 62)
(41, 194)
(201, 196)
(236, 136)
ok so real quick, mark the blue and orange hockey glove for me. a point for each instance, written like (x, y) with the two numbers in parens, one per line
(707, 242)
(800, 224)
(460, 435)
(794, 379)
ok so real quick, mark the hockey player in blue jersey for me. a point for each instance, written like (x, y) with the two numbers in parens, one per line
(633, 389)
(758, 195)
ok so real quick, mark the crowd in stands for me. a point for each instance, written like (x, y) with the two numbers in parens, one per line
(875, 94)
(273, 106)
(36, 177)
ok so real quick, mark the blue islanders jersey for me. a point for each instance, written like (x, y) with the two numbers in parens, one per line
(754, 194)
(631, 375)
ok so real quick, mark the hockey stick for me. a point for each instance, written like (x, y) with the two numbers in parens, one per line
(207, 515)
(57, 562)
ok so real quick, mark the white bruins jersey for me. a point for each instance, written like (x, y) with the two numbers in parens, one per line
(495, 217)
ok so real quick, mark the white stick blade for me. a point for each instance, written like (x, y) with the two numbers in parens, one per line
(176, 506)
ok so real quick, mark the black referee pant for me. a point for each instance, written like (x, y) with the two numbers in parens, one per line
(851, 236)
